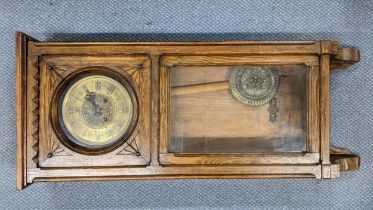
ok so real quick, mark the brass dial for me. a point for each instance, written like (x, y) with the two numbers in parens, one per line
(95, 111)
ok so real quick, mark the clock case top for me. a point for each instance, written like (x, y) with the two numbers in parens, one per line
(41, 66)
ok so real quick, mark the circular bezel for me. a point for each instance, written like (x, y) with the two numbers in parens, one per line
(56, 111)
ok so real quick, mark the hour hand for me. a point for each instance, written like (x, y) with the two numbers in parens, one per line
(91, 98)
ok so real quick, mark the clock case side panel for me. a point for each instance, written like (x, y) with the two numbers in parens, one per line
(333, 58)
(24, 85)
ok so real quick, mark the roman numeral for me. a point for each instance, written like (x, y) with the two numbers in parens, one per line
(120, 123)
(98, 85)
(97, 136)
(123, 110)
(110, 89)
(75, 124)
(109, 132)
(84, 132)
(72, 110)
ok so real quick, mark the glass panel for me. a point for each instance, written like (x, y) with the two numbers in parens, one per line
(225, 109)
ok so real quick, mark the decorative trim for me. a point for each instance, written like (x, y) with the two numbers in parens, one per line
(59, 72)
(56, 149)
(35, 113)
(273, 109)
(131, 148)
(133, 71)
(346, 160)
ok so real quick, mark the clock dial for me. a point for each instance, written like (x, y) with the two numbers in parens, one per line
(96, 111)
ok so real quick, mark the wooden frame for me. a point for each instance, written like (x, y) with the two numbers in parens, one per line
(52, 150)
(155, 59)
(311, 157)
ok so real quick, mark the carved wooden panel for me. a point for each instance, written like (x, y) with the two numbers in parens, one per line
(53, 70)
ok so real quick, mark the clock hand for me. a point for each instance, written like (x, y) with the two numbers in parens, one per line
(91, 98)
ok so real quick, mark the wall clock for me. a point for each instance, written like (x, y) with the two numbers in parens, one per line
(156, 110)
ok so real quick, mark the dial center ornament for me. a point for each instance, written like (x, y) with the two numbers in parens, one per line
(96, 111)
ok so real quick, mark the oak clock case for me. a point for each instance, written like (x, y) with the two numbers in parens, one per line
(89, 111)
